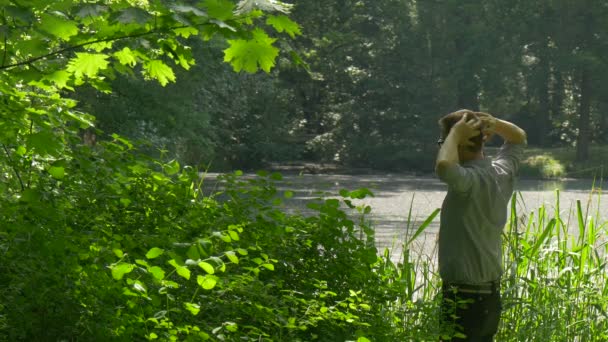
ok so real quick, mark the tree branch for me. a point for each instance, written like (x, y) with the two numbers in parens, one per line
(56, 52)
(8, 155)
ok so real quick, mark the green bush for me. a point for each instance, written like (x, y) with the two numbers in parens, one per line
(542, 166)
(107, 243)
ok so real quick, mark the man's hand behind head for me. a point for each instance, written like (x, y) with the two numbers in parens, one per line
(466, 128)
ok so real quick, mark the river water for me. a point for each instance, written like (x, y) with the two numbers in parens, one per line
(395, 196)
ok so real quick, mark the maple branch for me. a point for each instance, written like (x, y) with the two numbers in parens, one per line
(56, 52)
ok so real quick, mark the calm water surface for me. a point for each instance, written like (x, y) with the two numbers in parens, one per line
(395, 195)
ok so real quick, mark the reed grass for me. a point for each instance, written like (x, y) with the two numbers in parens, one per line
(554, 286)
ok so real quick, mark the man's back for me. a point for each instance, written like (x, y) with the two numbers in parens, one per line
(473, 215)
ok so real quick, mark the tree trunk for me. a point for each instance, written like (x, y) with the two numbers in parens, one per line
(584, 124)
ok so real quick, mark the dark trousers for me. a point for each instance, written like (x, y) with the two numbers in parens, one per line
(470, 313)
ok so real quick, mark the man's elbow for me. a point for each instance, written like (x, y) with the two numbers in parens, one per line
(441, 166)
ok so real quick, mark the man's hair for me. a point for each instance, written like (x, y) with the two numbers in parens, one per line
(447, 122)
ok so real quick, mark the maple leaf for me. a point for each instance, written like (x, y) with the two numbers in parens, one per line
(283, 23)
(249, 55)
(160, 71)
(61, 28)
(87, 64)
(126, 57)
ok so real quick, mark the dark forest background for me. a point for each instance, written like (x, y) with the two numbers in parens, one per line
(378, 75)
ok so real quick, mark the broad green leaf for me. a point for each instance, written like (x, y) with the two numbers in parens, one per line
(232, 257)
(59, 27)
(118, 271)
(242, 251)
(268, 266)
(283, 23)
(57, 172)
(231, 326)
(157, 272)
(186, 32)
(171, 167)
(125, 202)
(193, 253)
(87, 64)
(288, 194)
(233, 235)
(207, 282)
(154, 252)
(118, 252)
(126, 56)
(60, 78)
(251, 55)
(193, 308)
(43, 142)
(160, 71)
(182, 271)
(21, 150)
(141, 262)
(219, 9)
(99, 47)
(207, 267)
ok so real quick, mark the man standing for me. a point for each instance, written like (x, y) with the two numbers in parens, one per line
(473, 215)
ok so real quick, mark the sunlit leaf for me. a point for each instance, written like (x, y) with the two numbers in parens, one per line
(57, 172)
(206, 267)
(207, 282)
(157, 272)
(268, 266)
(182, 271)
(233, 235)
(232, 257)
(171, 167)
(154, 252)
(283, 23)
(118, 252)
(126, 57)
(160, 71)
(193, 308)
(186, 32)
(251, 55)
(87, 64)
(60, 78)
(119, 270)
(231, 326)
(59, 27)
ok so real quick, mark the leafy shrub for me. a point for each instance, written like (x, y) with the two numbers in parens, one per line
(543, 166)
(107, 243)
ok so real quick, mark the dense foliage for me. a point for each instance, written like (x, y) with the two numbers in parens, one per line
(107, 239)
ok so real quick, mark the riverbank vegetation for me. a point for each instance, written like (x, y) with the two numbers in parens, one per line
(150, 256)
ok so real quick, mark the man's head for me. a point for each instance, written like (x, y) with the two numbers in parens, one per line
(447, 122)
